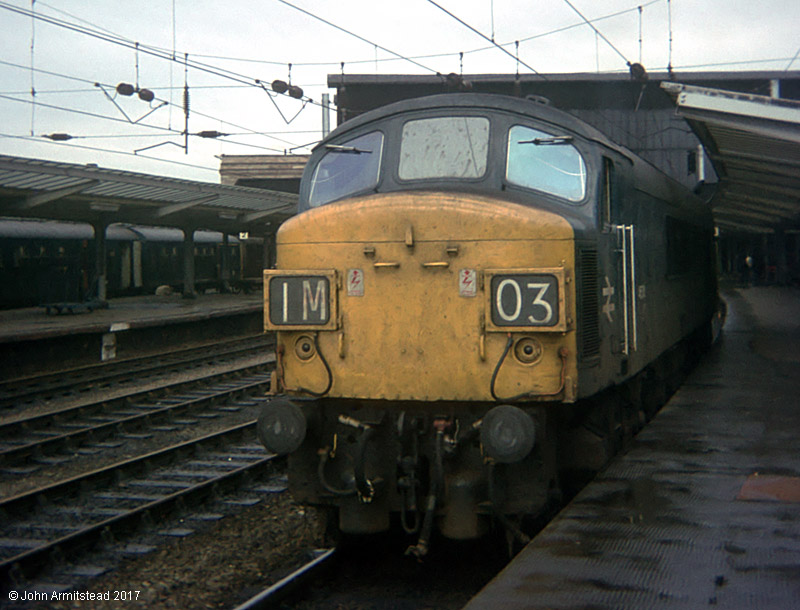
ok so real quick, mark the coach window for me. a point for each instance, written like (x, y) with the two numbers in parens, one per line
(346, 169)
(547, 163)
(444, 147)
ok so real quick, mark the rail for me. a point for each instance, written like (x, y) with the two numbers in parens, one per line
(34, 436)
(75, 515)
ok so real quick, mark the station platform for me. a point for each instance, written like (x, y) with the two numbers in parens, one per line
(31, 340)
(704, 509)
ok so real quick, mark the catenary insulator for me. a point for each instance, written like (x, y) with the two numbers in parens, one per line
(209, 134)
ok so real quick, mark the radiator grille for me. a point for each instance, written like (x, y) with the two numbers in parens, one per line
(588, 305)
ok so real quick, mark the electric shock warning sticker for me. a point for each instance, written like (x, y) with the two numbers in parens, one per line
(355, 283)
(467, 282)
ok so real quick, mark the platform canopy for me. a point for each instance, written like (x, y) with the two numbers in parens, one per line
(32, 188)
(753, 142)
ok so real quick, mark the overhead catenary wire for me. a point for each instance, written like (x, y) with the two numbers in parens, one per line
(110, 136)
(76, 18)
(9, 95)
(120, 41)
(274, 135)
(111, 151)
(371, 60)
(789, 65)
(41, 81)
(166, 130)
(169, 54)
(743, 62)
(92, 81)
(93, 115)
(245, 84)
(595, 20)
(428, 55)
(354, 35)
(149, 50)
(485, 37)
(598, 32)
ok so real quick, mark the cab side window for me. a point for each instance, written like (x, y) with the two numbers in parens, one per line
(609, 196)
(546, 163)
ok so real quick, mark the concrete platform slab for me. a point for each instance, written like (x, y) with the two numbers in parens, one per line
(31, 341)
(123, 314)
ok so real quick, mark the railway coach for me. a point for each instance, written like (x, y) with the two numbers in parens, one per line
(44, 261)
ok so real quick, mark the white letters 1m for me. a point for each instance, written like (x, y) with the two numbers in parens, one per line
(316, 302)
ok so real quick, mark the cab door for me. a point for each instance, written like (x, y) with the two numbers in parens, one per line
(617, 243)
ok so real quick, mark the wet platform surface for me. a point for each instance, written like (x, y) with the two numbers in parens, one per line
(704, 509)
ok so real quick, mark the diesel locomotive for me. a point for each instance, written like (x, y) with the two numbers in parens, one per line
(479, 294)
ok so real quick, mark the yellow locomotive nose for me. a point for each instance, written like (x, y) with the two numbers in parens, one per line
(424, 296)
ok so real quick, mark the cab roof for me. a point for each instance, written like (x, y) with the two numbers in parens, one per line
(536, 108)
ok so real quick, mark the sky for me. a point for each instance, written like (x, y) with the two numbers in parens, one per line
(74, 53)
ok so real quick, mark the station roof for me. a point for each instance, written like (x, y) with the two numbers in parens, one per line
(754, 143)
(31, 188)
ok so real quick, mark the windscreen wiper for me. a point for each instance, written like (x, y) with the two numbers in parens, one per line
(351, 150)
(552, 141)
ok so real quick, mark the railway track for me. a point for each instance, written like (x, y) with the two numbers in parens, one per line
(301, 578)
(66, 519)
(19, 392)
(106, 424)
(371, 573)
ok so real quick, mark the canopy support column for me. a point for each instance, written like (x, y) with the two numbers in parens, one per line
(188, 264)
(100, 263)
(225, 264)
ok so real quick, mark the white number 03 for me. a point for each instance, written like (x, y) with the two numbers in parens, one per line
(537, 301)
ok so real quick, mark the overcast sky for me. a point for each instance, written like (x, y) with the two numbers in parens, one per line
(241, 41)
